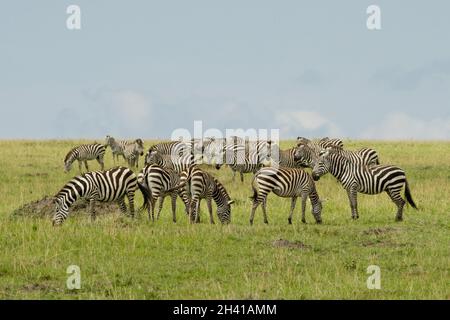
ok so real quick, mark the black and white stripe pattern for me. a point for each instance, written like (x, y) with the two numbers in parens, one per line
(285, 182)
(83, 153)
(321, 143)
(356, 177)
(159, 183)
(307, 156)
(174, 162)
(132, 151)
(198, 185)
(103, 186)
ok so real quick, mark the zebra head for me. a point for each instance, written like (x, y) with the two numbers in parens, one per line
(68, 160)
(61, 211)
(304, 155)
(139, 146)
(224, 212)
(151, 157)
(322, 165)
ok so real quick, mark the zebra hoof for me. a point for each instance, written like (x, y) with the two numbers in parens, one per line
(289, 221)
(304, 220)
(251, 222)
(266, 221)
(398, 219)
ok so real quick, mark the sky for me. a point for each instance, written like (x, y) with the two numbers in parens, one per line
(146, 68)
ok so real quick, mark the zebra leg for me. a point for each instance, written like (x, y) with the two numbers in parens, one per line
(211, 218)
(122, 205)
(86, 165)
(192, 210)
(352, 197)
(242, 176)
(254, 207)
(264, 205)
(161, 203)
(293, 201)
(197, 211)
(304, 198)
(79, 165)
(174, 206)
(130, 196)
(101, 162)
(92, 209)
(395, 196)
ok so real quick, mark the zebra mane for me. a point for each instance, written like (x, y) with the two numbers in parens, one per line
(69, 154)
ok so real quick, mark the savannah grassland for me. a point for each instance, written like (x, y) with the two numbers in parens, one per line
(121, 258)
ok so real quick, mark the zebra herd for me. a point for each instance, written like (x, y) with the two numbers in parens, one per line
(174, 169)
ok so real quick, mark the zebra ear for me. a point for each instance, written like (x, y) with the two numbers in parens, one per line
(230, 201)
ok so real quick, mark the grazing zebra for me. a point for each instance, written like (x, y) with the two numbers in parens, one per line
(308, 157)
(285, 182)
(83, 153)
(156, 181)
(103, 186)
(132, 151)
(356, 177)
(175, 148)
(199, 184)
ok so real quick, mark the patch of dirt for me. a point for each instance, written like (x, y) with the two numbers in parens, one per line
(282, 243)
(379, 231)
(46, 208)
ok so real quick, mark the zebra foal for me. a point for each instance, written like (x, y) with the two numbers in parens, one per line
(287, 183)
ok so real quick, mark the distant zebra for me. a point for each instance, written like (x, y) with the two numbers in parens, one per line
(83, 153)
(285, 182)
(246, 159)
(176, 163)
(157, 181)
(199, 184)
(132, 151)
(129, 150)
(103, 186)
(321, 143)
(356, 177)
(286, 158)
(307, 156)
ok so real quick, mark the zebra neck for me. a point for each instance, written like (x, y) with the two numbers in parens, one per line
(220, 195)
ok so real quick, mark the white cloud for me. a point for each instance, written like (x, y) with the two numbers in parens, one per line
(399, 126)
(293, 123)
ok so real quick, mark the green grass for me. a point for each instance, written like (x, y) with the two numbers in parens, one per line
(136, 259)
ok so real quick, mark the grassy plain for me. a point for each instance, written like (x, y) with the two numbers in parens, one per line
(122, 258)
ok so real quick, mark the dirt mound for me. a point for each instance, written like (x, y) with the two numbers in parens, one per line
(46, 208)
(282, 243)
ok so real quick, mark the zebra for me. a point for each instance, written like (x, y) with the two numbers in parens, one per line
(199, 184)
(170, 148)
(156, 181)
(176, 163)
(132, 151)
(306, 156)
(356, 177)
(83, 153)
(321, 143)
(129, 150)
(246, 159)
(285, 182)
(286, 158)
(103, 186)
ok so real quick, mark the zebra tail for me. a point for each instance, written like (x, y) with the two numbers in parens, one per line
(408, 195)
(147, 194)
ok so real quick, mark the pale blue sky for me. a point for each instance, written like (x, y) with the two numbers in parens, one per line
(145, 68)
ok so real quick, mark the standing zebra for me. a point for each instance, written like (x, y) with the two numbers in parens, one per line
(157, 181)
(132, 151)
(129, 150)
(285, 182)
(103, 186)
(356, 177)
(308, 157)
(177, 163)
(246, 159)
(199, 184)
(83, 153)
(286, 158)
